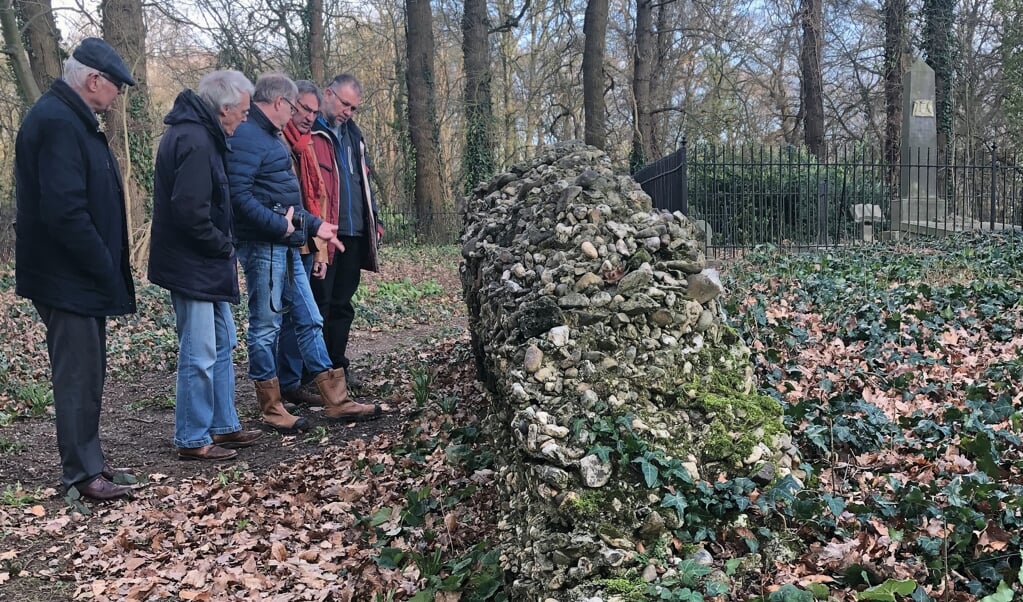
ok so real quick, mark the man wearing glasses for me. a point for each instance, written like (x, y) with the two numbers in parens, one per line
(298, 134)
(72, 257)
(267, 202)
(339, 144)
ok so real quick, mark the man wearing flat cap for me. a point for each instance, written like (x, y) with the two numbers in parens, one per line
(71, 254)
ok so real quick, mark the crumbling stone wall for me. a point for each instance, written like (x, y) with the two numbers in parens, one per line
(599, 334)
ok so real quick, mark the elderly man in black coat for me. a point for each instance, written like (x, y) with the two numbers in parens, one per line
(71, 254)
(192, 255)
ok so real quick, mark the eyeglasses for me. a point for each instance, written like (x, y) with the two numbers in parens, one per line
(343, 102)
(294, 109)
(119, 85)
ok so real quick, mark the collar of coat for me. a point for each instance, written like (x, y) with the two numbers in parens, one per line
(259, 118)
(72, 99)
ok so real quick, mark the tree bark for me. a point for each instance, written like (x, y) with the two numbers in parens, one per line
(643, 63)
(128, 124)
(595, 34)
(812, 82)
(27, 87)
(422, 113)
(895, 43)
(939, 36)
(42, 39)
(478, 157)
(317, 55)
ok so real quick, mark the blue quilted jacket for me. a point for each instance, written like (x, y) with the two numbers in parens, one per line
(260, 173)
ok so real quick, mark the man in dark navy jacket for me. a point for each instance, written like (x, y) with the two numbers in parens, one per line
(192, 255)
(266, 197)
(71, 255)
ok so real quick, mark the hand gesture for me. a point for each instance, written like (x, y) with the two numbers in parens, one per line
(288, 216)
(328, 232)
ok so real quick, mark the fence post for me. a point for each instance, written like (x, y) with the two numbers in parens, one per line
(822, 211)
(994, 182)
(685, 178)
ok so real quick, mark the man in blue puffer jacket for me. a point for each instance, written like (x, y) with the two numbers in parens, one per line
(267, 204)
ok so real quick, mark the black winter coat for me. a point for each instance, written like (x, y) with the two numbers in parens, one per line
(261, 173)
(191, 251)
(72, 238)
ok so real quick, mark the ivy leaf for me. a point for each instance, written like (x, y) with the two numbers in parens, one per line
(679, 503)
(650, 472)
(1004, 593)
(887, 590)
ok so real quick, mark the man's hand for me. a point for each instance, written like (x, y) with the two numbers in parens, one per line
(380, 233)
(288, 216)
(319, 269)
(328, 232)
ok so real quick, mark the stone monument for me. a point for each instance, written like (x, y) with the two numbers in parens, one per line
(919, 205)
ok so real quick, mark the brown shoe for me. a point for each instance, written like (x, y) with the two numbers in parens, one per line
(102, 490)
(268, 394)
(237, 439)
(338, 405)
(302, 397)
(206, 452)
(110, 473)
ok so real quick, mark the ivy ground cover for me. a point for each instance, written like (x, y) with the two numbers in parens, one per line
(899, 368)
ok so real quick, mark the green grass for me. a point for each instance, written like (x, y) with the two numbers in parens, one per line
(160, 401)
(15, 496)
(10, 447)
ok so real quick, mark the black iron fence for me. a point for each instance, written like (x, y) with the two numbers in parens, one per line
(746, 196)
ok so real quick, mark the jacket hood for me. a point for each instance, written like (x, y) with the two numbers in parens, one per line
(189, 108)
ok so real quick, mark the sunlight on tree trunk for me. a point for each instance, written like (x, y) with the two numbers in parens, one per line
(19, 58)
(41, 37)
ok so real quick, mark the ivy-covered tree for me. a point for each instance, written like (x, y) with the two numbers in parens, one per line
(1011, 12)
(941, 53)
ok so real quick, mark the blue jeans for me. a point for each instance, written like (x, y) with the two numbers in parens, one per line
(274, 290)
(289, 358)
(205, 387)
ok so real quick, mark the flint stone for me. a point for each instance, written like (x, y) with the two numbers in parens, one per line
(705, 286)
(635, 281)
(534, 357)
(558, 336)
(594, 471)
(589, 250)
(588, 280)
(573, 300)
(537, 317)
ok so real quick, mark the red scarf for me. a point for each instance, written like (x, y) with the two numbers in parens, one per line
(309, 177)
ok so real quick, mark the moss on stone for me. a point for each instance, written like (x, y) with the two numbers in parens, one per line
(740, 421)
(631, 589)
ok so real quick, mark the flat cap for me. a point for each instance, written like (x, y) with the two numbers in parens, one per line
(95, 53)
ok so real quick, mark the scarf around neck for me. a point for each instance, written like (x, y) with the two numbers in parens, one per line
(309, 178)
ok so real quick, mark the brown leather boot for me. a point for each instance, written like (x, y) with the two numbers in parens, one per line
(268, 394)
(301, 397)
(337, 404)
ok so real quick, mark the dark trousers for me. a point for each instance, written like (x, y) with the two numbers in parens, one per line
(334, 296)
(77, 346)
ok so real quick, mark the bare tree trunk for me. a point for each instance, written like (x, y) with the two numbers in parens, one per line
(27, 86)
(643, 64)
(129, 127)
(595, 32)
(422, 115)
(895, 43)
(317, 55)
(812, 83)
(478, 157)
(42, 38)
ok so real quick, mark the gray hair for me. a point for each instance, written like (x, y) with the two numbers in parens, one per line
(222, 89)
(75, 73)
(346, 79)
(271, 86)
(307, 87)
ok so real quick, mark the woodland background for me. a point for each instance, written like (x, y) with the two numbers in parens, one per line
(459, 89)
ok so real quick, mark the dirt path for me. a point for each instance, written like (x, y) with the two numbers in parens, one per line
(137, 426)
